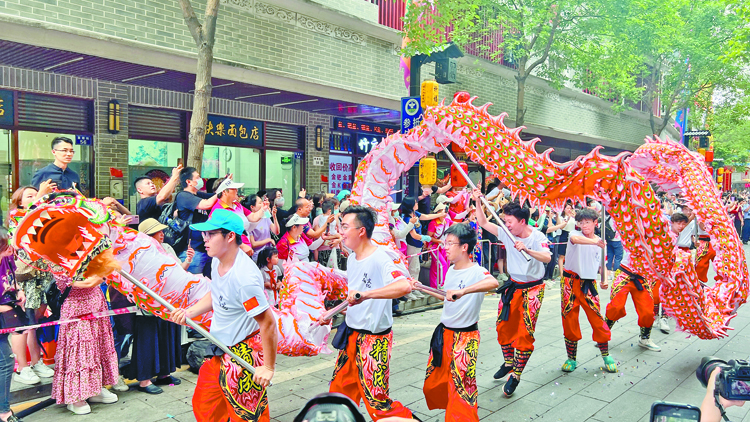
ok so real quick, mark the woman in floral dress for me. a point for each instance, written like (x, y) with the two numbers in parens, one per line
(85, 360)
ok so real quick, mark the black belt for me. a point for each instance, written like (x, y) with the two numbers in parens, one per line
(587, 287)
(436, 344)
(508, 289)
(704, 237)
(214, 350)
(635, 278)
(341, 340)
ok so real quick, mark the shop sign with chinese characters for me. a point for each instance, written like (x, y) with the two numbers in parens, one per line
(233, 131)
(340, 173)
(6, 108)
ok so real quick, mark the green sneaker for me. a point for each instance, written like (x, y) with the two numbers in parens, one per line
(609, 364)
(569, 365)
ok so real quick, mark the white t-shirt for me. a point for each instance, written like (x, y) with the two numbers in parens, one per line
(519, 269)
(701, 231)
(376, 271)
(625, 259)
(237, 297)
(684, 240)
(271, 275)
(584, 260)
(465, 311)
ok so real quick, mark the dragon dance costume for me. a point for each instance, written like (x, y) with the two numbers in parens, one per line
(451, 382)
(365, 339)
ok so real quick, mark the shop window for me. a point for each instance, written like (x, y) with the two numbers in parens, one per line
(154, 159)
(284, 171)
(243, 163)
(340, 170)
(35, 152)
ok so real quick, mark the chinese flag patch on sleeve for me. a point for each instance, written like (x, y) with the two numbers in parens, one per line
(250, 304)
(396, 274)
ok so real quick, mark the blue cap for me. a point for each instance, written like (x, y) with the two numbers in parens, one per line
(343, 194)
(221, 219)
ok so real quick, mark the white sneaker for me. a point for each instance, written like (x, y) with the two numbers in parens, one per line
(120, 386)
(43, 370)
(649, 344)
(27, 376)
(664, 325)
(418, 294)
(80, 410)
(105, 396)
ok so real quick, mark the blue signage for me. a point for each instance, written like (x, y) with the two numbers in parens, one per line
(411, 113)
(84, 139)
(298, 155)
(6, 108)
(366, 143)
(233, 131)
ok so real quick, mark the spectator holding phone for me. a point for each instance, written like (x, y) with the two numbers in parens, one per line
(710, 412)
(58, 172)
(151, 200)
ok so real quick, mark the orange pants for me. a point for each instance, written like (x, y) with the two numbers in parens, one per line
(453, 385)
(573, 300)
(704, 255)
(644, 303)
(226, 391)
(362, 372)
(518, 330)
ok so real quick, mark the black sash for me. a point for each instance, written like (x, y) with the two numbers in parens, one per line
(508, 289)
(436, 343)
(635, 278)
(341, 340)
(588, 285)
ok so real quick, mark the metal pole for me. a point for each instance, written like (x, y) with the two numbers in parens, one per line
(500, 222)
(604, 239)
(189, 322)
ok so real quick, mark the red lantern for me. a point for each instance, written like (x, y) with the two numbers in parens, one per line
(457, 180)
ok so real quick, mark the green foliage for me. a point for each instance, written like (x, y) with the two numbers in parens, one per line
(631, 52)
(730, 126)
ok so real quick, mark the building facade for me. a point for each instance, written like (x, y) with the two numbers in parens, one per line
(299, 88)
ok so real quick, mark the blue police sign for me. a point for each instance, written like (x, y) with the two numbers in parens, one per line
(411, 113)
(83, 139)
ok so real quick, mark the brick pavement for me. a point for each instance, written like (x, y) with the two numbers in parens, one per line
(545, 393)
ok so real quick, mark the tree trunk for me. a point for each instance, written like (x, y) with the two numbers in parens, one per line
(520, 99)
(201, 102)
(204, 36)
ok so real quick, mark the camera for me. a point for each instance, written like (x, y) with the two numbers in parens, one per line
(330, 407)
(732, 383)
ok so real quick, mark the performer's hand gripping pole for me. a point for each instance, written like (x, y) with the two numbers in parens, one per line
(428, 289)
(329, 314)
(500, 222)
(189, 322)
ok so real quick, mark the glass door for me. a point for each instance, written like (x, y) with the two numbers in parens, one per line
(6, 172)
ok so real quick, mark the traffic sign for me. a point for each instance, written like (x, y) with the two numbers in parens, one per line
(411, 113)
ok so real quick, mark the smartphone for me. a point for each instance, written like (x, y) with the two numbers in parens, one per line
(674, 412)
(179, 161)
(136, 219)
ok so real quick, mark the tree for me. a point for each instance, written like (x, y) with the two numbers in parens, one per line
(538, 36)
(204, 36)
(730, 127)
(667, 54)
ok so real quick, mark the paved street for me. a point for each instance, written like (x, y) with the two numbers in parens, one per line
(545, 393)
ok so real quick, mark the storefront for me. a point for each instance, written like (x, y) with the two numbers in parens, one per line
(350, 141)
(28, 123)
(261, 155)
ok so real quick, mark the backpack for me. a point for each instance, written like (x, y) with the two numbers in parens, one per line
(177, 228)
(609, 233)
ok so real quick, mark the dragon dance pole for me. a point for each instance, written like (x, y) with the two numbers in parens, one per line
(604, 239)
(500, 223)
(189, 322)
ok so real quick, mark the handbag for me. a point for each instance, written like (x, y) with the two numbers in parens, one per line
(13, 318)
(55, 299)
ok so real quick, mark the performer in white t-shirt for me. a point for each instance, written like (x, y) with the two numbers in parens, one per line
(451, 382)
(522, 294)
(242, 320)
(578, 285)
(365, 338)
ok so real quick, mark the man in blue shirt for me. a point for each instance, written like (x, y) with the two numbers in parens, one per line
(58, 172)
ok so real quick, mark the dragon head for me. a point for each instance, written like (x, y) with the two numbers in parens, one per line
(68, 230)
